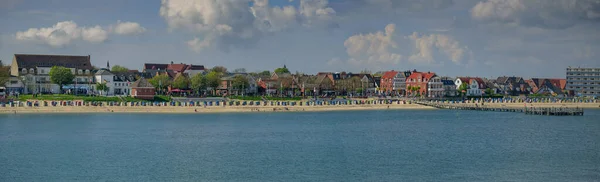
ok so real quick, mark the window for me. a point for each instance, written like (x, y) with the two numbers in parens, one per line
(31, 70)
(87, 72)
(24, 70)
(79, 72)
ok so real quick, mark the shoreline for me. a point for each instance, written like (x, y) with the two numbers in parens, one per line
(265, 108)
(202, 109)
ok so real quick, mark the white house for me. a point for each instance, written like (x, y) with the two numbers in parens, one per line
(105, 76)
(122, 83)
(475, 86)
(435, 87)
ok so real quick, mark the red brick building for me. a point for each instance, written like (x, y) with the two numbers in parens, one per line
(420, 80)
(387, 81)
(142, 89)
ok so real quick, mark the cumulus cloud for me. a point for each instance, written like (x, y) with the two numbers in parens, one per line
(427, 45)
(63, 33)
(385, 48)
(95, 34)
(128, 28)
(232, 23)
(540, 13)
(66, 32)
(373, 48)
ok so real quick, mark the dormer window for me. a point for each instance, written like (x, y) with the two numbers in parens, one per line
(87, 72)
(31, 70)
(80, 72)
(24, 71)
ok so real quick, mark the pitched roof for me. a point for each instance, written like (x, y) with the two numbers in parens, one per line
(142, 83)
(552, 83)
(177, 67)
(103, 72)
(389, 74)
(125, 77)
(421, 75)
(469, 80)
(153, 66)
(33, 60)
(448, 82)
(195, 67)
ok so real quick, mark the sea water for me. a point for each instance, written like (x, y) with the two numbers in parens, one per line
(390, 145)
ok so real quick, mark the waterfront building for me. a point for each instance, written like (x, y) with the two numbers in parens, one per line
(548, 86)
(394, 82)
(421, 83)
(513, 86)
(226, 84)
(14, 85)
(34, 71)
(583, 81)
(475, 86)
(449, 87)
(172, 69)
(142, 89)
(435, 87)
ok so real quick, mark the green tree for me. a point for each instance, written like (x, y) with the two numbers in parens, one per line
(198, 82)
(161, 81)
(219, 69)
(265, 73)
(4, 74)
(181, 82)
(61, 76)
(213, 80)
(119, 69)
(240, 82)
(488, 91)
(282, 70)
(102, 87)
(463, 88)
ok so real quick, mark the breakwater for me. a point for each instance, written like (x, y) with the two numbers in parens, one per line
(549, 111)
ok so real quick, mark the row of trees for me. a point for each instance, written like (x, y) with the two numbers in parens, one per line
(199, 82)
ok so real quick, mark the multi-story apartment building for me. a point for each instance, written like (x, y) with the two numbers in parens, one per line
(34, 71)
(583, 81)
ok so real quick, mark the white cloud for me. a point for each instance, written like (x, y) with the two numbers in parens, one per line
(541, 13)
(128, 28)
(61, 34)
(95, 34)
(381, 49)
(66, 32)
(197, 45)
(231, 23)
(427, 45)
(373, 48)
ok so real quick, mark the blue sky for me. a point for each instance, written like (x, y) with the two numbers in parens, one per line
(488, 38)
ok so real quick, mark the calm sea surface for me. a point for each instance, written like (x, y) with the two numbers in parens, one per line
(330, 146)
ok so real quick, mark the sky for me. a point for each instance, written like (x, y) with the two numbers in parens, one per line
(486, 38)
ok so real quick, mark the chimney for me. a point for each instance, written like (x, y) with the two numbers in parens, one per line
(171, 62)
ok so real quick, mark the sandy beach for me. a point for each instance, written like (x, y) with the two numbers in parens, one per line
(201, 109)
(105, 108)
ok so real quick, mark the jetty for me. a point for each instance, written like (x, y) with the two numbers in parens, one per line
(548, 111)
